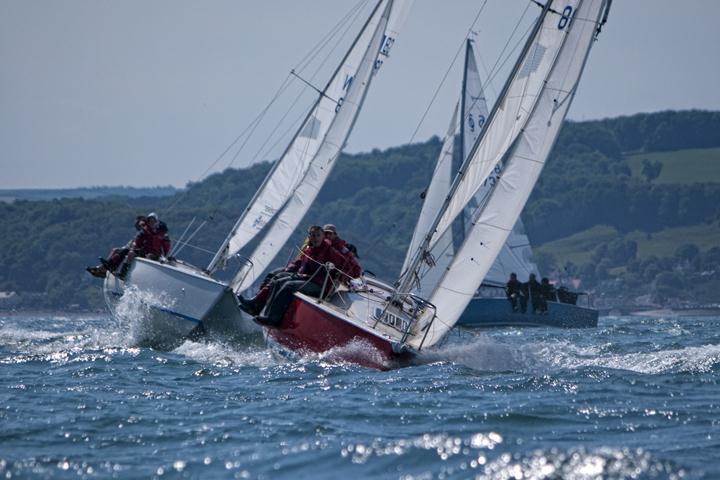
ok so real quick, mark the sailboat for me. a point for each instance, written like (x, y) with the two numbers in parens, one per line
(489, 307)
(180, 299)
(520, 130)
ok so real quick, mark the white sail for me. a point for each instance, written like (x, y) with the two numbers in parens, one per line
(475, 110)
(434, 197)
(514, 257)
(302, 195)
(577, 23)
(516, 254)
(511, 114)
(292, 167)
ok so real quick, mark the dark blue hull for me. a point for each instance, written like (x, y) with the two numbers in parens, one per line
(497, 312)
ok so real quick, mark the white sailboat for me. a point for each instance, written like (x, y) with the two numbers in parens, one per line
(489, 307)
(520, 131)
(180, 298)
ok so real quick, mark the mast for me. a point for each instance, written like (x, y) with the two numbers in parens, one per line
(463, 113)
(223, 248)
(406, 281)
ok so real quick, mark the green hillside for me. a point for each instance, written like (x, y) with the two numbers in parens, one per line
(593, 215)
(579, 248)
(688, 166)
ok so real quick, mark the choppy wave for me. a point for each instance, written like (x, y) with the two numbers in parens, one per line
(484, 353)
(223, 355)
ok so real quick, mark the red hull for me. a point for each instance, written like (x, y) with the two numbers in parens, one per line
(308, 328)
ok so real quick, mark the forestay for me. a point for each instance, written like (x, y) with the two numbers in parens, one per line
(363, 60)
(577, 23)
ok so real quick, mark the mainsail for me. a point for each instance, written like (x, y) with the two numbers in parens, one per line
(473, 113)
(330, 127)
(293, 167)
(527, 119)
(516, 254)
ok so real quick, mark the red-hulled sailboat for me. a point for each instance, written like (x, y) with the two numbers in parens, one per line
(379, 326)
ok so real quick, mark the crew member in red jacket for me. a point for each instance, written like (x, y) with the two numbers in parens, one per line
(310, 277)
(151, 242)
(117, 255)
(160, 244)
(254, 305)
(341, 246)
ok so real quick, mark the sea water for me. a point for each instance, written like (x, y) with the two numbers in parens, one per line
(633, 398)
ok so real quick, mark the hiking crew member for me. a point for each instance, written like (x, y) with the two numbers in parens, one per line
(310, 277)
(341, 246)
(254, 305)
(116, 255)
(534, 293)
(547, 291)
(514, 292)
(151, 241)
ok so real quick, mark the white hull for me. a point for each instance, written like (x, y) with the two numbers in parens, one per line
(165, 303)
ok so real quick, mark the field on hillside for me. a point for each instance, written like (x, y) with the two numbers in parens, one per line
(681, 166)
(578, 248)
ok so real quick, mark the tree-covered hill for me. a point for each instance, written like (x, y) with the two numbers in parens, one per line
(592, 179)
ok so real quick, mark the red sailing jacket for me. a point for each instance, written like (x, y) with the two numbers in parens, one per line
(353, 269)
(314, 259)
(161, 244)
(144, 240)
(152, 243)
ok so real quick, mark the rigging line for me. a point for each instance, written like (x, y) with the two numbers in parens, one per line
(493, 71)
(279, 92)
(196, 247)
(286, 83)
(315, 50)
(299, 96)
(447, 72)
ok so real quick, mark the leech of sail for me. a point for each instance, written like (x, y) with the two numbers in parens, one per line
(304, 193)
(285, 173)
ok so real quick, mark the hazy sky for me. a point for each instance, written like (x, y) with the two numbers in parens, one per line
(136, 92)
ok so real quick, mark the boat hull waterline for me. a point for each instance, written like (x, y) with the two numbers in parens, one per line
(309, 326)
(172, 301)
